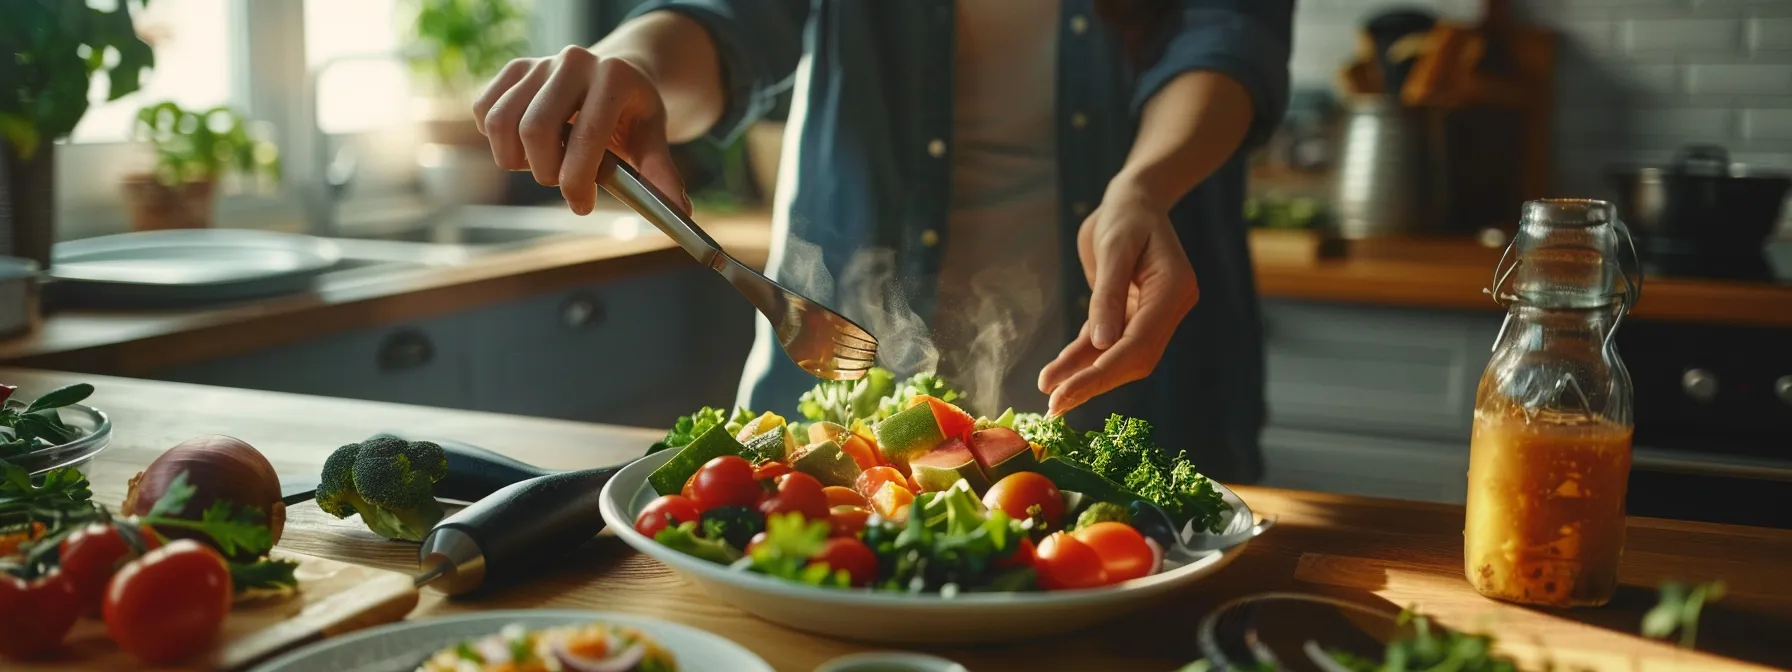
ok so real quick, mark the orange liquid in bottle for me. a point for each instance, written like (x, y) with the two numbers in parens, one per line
(1546, 509)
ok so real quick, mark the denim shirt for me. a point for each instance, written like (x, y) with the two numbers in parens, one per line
(868, 168)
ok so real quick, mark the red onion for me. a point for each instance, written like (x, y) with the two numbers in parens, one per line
(621, 662)
(218, 468)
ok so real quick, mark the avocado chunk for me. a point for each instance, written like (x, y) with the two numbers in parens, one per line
(828, 464)
(908, 434)
(939, 469)
(670, 477)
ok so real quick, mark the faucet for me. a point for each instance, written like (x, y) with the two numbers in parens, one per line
(331, 169)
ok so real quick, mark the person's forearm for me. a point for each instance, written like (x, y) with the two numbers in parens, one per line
(679, 55)
(1188, 129)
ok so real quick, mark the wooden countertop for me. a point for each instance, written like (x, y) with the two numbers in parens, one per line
(1399, 552)
(1417, 273)
(1449, 273)
(135, 342)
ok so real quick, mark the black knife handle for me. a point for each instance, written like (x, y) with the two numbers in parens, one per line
(525, 524)
(475, 472)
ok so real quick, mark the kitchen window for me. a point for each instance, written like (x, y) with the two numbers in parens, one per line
(259, 57)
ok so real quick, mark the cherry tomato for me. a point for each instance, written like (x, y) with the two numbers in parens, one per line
(35, 616)
(1122, 549)
(851, 555)
(93, 553)
(954, 422)
(892, 501)
(753, 543)
(1022, 490)
(861, 450)
(1021, 556)
(1064, 562)
(666, 511)
(725, 481)
(770, 471)
(848, 521)
(169, 603)
(798, 492)
(689, 485)
(874, 478)
(838, 496)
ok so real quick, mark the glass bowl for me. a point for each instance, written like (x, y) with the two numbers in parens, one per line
(96, 433)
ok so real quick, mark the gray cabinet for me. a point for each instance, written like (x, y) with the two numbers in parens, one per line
(637, 351)
(423, 362)
(1370, 400)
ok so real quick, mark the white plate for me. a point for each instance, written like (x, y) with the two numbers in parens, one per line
(970, 618)
(399, 647)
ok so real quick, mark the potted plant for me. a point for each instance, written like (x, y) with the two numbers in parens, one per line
(57, 46)
(455, 46)
(194, 150)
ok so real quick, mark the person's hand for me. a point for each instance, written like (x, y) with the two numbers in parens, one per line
(612, 103)
(1142, 287)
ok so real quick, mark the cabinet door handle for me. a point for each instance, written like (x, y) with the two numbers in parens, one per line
(406, 349)
(580, 311)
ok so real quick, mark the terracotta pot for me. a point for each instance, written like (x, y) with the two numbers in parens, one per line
(156, 206)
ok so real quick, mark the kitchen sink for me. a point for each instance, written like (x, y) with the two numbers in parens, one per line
(453, 234)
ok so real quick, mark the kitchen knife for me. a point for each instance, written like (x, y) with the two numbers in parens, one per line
(473, 473)
(510, 534)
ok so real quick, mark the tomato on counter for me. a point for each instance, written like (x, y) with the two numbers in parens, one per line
(36, 615)
(92, 554)
(169, 603)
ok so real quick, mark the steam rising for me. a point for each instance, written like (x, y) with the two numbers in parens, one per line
(988, 325)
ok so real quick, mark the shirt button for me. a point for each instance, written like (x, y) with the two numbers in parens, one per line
(1079, 25)
(1080, 208)
(930, 238)
(1079, 120)
(936, 148)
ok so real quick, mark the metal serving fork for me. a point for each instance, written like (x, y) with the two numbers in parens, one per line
(819, 340)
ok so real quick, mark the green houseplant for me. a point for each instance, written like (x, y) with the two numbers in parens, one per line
(56, 48)
(194, 149)
(454, 47)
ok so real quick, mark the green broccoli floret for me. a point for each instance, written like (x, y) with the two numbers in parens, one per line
(1102, 512)
(1125, 453)
(389, 481)
(1052, 434)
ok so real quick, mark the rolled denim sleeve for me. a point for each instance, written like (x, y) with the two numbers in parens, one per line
(1247, 40)
(759, 43)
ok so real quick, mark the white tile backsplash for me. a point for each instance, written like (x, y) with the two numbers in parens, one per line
(1635, 78)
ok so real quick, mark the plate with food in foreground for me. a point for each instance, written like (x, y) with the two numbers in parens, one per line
(535, 640)
(888, 502)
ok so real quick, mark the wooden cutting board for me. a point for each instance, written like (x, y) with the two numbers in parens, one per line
(334, 597)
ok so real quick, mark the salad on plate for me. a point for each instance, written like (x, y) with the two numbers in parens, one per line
(890, 485)
(591, 647)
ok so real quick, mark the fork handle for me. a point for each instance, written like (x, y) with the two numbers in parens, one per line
(627, 185)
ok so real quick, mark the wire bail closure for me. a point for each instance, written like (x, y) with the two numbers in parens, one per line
(1631, 275)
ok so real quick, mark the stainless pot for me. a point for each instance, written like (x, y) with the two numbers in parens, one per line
(1701, 202)
(1385, 182)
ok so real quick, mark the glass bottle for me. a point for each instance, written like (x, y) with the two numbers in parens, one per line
(1549, 460)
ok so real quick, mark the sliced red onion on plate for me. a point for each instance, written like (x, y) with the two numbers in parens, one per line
(622, 662)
